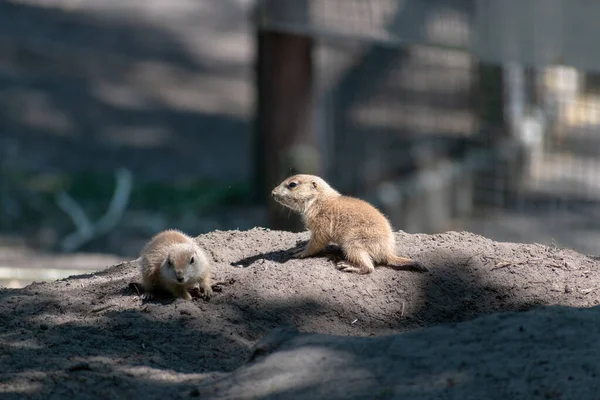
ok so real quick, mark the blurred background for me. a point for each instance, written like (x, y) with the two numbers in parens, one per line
(119, 119)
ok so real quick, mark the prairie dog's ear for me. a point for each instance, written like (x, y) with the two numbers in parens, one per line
(314, 183)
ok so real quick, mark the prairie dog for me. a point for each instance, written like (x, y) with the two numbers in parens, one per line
(173, 262)
(363, 233)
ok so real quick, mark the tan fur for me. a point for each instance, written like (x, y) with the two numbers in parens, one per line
(362, 232)
(165, 266)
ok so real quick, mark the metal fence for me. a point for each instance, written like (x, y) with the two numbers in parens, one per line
(478, 115)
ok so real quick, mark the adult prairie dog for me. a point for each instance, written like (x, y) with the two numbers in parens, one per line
(362, 232)
(173, 263)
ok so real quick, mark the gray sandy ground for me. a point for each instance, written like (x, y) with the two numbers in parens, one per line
(541, 354)
(92, 336)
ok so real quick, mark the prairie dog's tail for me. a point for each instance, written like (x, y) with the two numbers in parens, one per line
(396, 261)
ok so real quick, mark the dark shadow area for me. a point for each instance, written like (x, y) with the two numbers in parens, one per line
(58, 347)
(456, 292)
(62, 65)
(95, 331)
(536, 355)
(279, 256)
(164, 297)
(86, 91)
(331, 252)
(463, 282)
(88, 31)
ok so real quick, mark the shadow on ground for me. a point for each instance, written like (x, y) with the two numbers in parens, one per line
(89, 89)
(93, 335)
(160, 89)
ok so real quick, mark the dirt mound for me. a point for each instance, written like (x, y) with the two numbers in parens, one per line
(92, 336)
(549, 353)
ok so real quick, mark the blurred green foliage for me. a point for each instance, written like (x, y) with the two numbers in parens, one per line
(30, 198)
(200, 195)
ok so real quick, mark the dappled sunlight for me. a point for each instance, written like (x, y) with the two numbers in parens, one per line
(120, 119)
(23, 383)
(420, 120)
(158, 89)
(144, 373)
(545, 353)
(95, 329)
(12, 276)
(182, 89)
(584, 111)
(435, 382)
(138, 136)
(345, 17)
(448, 27)
(137, 76)
(35, 109)
(20, 265)
(15, 342)
(121, 96)
(294, 370)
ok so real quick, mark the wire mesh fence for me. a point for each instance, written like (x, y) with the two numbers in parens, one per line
(475, 115)
(455, 114)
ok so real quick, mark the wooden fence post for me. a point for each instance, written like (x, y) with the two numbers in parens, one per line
(285, 138)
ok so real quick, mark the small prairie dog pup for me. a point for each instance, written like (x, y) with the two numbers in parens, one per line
(362, 232)
(173, 263)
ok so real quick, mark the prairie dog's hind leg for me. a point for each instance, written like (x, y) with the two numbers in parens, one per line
(358, 261)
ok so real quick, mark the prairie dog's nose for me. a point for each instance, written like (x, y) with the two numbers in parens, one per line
(273, 193)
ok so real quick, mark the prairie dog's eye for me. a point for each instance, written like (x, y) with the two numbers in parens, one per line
(292, 185)
(192, 260)
(169, 263)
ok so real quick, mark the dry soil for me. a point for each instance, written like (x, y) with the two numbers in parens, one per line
(92, 336)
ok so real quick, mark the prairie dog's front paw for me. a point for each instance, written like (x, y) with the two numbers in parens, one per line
(206, 292)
